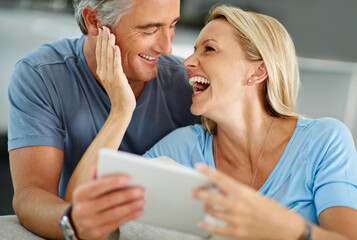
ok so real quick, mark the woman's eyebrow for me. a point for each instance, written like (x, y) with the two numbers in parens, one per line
(207, 40)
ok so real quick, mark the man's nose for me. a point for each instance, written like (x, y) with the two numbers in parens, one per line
(164, 42)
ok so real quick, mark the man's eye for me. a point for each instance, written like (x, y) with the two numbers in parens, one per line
(150, 32)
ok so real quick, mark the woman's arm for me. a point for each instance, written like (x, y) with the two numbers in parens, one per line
(250, 215)
(341, 220)
(115, 83)
(102, 205)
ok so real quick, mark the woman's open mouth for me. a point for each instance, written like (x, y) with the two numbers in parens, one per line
(199, 84)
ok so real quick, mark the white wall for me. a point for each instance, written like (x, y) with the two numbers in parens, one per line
(328, 88)
(22, 32)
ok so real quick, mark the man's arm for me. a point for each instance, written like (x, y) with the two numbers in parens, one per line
(36, 172)
(99, 206)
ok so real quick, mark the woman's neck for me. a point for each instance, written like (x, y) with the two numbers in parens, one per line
(243, 138)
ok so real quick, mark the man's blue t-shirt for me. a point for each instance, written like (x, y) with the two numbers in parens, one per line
(317, 170)
(55, 101)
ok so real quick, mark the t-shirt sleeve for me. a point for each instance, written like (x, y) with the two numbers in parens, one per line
(336, 171)
(33, 114)
(177, 145)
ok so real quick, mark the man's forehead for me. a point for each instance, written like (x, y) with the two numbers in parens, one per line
(156, 7)
(151, 13)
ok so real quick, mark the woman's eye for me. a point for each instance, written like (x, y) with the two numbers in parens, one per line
(208, 49)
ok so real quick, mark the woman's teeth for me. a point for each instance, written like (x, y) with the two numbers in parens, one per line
(199, 80)
(199, 84)
(147, 57)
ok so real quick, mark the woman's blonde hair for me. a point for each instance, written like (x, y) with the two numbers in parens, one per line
(264, 38)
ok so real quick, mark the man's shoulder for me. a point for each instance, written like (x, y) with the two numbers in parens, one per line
(56, 52)
(171, 61)
(171, 71)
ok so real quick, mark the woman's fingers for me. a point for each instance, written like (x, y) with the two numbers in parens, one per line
(104, 49)
(221, 207)
(118, 68)
(225, 215)
(111, 75)
(110, 54)
(98, 49)
(223, 181)
(108, 57)
(211, 198)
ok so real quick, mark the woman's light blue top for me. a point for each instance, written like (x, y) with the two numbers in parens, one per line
(317, 170)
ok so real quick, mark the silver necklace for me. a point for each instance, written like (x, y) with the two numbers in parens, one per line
(260, 157)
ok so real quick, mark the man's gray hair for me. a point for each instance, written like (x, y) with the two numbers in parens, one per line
(109, 11)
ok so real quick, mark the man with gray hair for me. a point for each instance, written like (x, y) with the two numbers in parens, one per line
(58, 105)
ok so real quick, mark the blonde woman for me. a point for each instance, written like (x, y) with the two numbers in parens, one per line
(280, 176)
(245, 78)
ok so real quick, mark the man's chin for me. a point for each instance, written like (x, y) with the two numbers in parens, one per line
(145, 76)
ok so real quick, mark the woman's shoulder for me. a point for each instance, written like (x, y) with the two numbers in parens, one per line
(190, 135)
(191, 130)
(304, 122)
(323, 126)
(324, 133)
(183, 139)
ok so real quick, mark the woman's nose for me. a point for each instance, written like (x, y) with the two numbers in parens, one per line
(190, 62)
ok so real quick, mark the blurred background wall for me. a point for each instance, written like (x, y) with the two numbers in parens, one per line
(324, 32)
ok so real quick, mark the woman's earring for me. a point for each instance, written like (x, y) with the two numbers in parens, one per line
(249, 81)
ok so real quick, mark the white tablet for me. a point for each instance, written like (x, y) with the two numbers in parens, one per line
(168, 187)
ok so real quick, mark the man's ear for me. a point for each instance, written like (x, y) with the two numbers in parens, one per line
(260, 74)
(90, 17)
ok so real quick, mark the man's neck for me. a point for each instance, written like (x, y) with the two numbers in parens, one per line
(89, 56)
(137, 87)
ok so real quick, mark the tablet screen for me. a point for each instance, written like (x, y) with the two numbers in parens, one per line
(168, 187)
